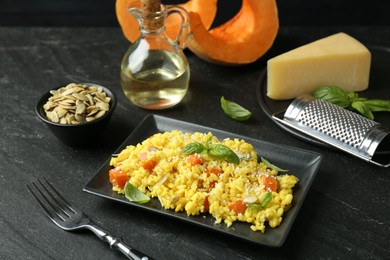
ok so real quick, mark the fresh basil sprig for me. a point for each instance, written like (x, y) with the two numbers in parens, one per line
(270, 165)
(265, 200)
(352, 101)
(234, 110)
(192, 148)
(134, 194)
(224, 153)
(334, 95)
(219, 151)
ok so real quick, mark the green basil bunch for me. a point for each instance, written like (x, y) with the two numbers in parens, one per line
(352, 101)
(219, 151)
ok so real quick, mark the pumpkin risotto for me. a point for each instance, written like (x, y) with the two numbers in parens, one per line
(197, 173)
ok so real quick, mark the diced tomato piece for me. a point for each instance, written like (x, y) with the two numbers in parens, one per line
(195, 159)
(148, 165)
(238, 206)
(121, 180)
(117, 177)
(270, 182)
(206, 204)
(215, 170)
(212, 184)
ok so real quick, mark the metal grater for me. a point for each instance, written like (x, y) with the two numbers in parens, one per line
(338, 127)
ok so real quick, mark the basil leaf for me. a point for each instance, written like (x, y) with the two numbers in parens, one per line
(273, 167)
(378, 105)
(135, 195)
(220, 151)
(334, 95)
(254, 206)
(353, 96)
(363, 109)
(208, 142)
(265, 200)
(192, 148)
(234, 110)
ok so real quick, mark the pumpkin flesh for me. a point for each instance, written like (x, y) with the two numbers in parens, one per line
(207, 10)
(241, 40)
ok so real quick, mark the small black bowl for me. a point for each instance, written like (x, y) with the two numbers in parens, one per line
(82, 134)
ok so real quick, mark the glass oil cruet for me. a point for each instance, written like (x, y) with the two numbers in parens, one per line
(154, 71)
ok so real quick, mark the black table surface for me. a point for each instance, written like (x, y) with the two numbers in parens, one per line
(346, 214)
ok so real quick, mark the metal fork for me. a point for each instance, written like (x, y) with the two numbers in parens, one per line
(70, 218)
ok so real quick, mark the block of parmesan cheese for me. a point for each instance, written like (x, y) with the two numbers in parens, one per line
(337, 60)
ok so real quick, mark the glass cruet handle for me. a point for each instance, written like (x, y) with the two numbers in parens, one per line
(184, 24)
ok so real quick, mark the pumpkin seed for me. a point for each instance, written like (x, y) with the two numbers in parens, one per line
(63, 121)
(80, 109)
(100, 114)
(61, 112)
(102, 106)
(54, 117)
(80, 96)
(80, 118)
(68, 91)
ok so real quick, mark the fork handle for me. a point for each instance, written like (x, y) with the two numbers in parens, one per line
(116, 243)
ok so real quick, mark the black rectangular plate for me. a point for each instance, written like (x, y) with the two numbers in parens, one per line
(301, 163)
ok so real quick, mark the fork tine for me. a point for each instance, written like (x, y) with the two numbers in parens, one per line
(43, 202)
(55, 207)
(50, 198)
(60, 200)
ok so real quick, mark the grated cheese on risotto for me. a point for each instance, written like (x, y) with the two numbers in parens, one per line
(198, 183)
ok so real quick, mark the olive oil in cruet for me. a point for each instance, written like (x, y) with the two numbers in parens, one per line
(154, 71)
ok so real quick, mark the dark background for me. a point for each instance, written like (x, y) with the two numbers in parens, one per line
(102, 12)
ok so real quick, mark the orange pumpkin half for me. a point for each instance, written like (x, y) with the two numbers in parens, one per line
(206, 9)
(241, 40)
